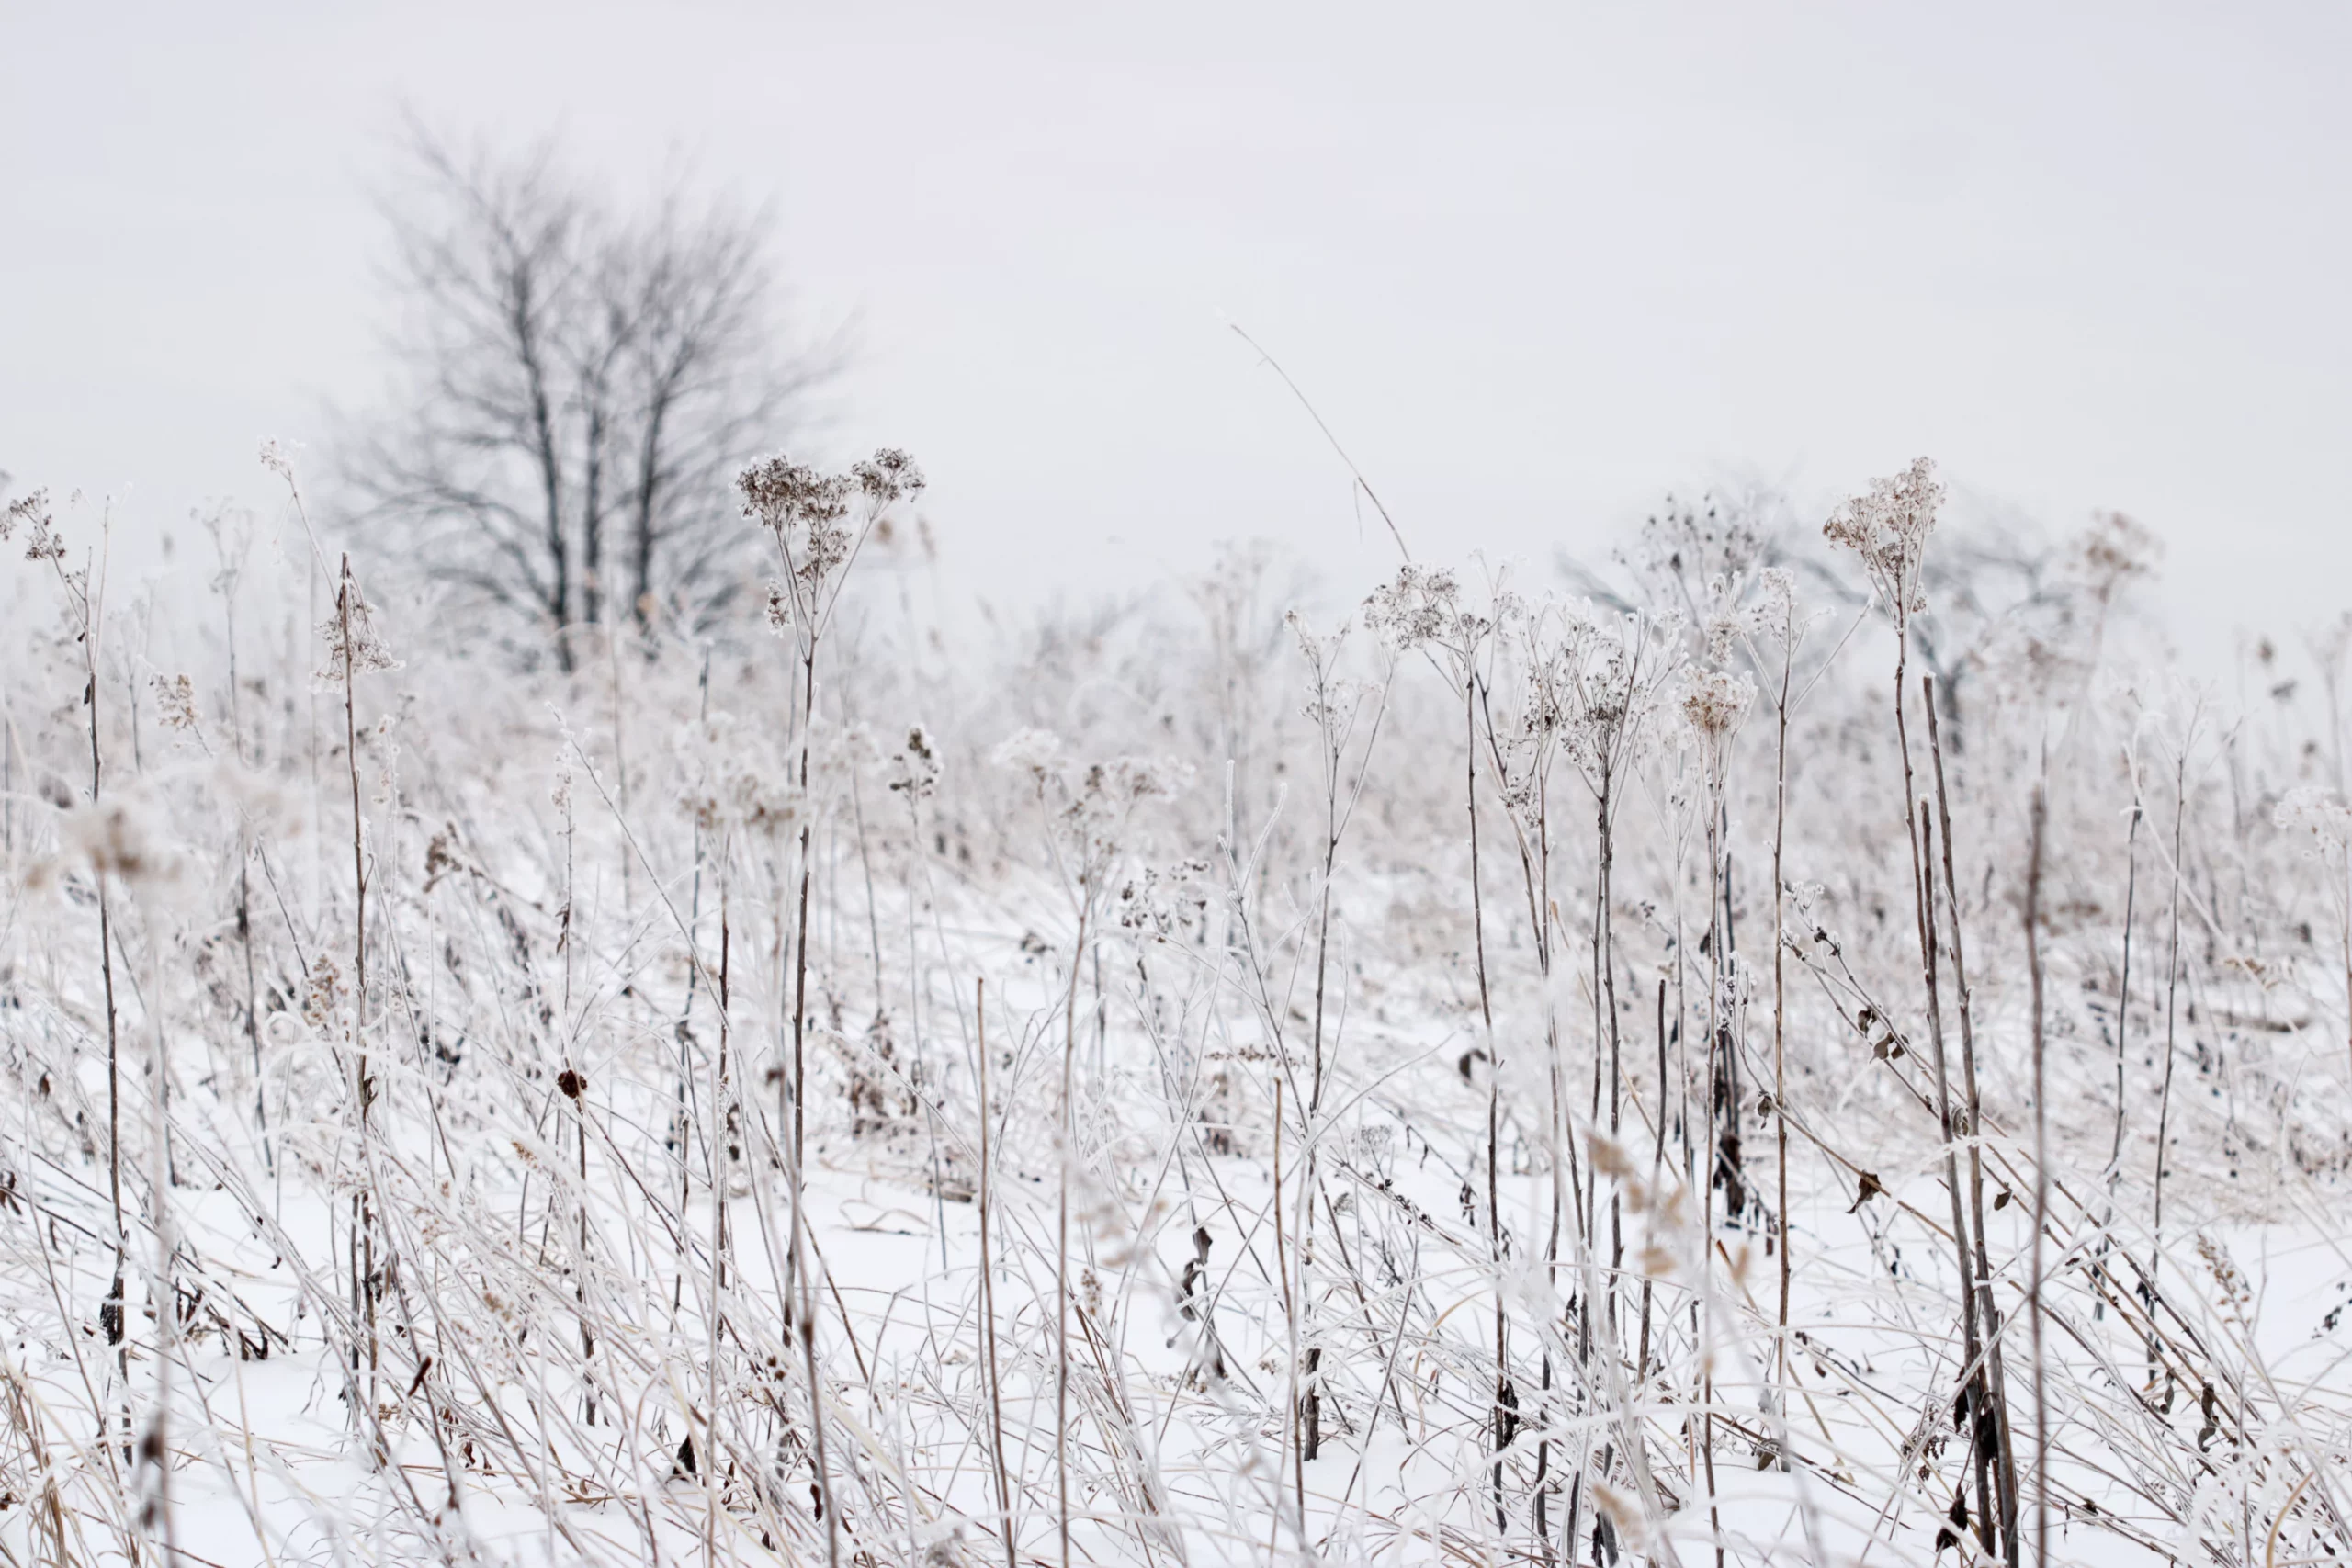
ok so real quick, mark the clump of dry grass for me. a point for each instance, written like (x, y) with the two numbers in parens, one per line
(1217, 1097)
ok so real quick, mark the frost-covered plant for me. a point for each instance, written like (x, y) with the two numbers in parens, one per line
(1887, 528)
(1095, 1245)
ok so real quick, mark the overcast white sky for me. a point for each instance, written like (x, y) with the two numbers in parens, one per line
(1536, 265)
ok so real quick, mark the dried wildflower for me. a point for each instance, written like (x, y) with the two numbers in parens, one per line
(1888, 528)
(1716, 700)
(1037, 752)
(1332, 705)
(2114, 550)
(1126, 780)
(1614, 683)
(1087, 806)
(354, 646)
(321, 993)
(917, 769)
(731, 782)
(1160, 903)
(890, 475)
(1774, 616)
(808, 512)
(803, 508)
(1424, 608)
(1685, 544)
(2317, 812)
(175, 701)
(41, 542)
(1722, 627)
(1713, 704)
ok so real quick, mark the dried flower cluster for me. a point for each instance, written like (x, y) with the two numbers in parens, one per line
(1887, 526)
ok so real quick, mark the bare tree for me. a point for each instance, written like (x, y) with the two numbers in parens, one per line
(579, 385)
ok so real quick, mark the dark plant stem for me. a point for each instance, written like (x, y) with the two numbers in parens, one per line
(988, 1288)
(1987, 1309)
(1061, 1263)
(2041, 1186)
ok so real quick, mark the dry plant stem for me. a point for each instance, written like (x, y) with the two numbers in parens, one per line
(2041, 1186)
(792, 1088)
(1605, 966)
(113, 1319)
(1658, 1164)
(1061, 1221)
(1988, 1311)
(1292, 1444)
(253, 1008)
(1972, 1395)
(1503, 1421)
(721, 1155)
(1357, 474)
(685, 1123)
(2345, 932)
(226, 583)
(364, 1086)
(156, 1511)
(1718, 901)
(2172, 999)
(1331, 742)
(112, 1315)
(1918, 831)
(2123, 1004)
(987, 1286)
(807, 1328)
(351, 632)
(1779, 1018)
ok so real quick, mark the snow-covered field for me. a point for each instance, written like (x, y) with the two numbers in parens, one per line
(1177, 1085)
